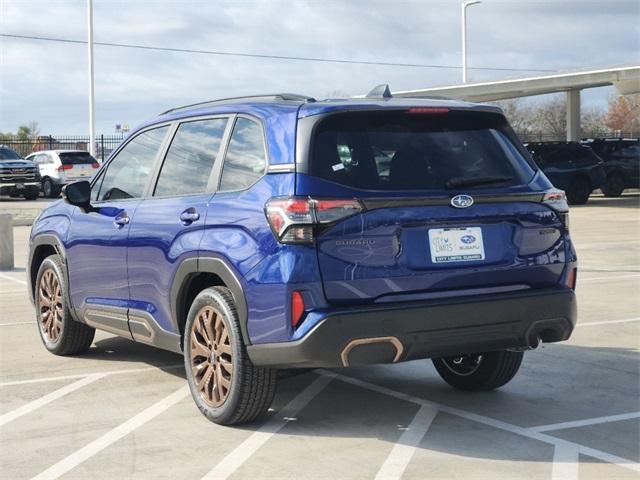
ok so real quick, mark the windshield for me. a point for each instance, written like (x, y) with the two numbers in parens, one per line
(418, 151)
(8, 154)
(76, 158)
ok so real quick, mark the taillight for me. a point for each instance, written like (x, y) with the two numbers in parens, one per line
(557, 200)
(297, 308)
(293, 219)
(65, 167)
(95, 165)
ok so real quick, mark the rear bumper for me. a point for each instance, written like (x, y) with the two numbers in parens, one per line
(409, 331)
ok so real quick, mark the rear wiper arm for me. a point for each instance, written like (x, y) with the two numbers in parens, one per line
(457, 182)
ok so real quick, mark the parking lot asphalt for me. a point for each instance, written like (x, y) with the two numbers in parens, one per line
(123, 410)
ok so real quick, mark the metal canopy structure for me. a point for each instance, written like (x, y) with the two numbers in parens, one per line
(626, 80)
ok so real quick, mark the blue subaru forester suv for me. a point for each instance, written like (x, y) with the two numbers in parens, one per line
(275, 232)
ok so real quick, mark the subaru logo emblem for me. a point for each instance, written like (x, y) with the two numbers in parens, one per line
(468, 239)
(462, 201)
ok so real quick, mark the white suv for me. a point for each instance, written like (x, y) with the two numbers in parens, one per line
(59, 167)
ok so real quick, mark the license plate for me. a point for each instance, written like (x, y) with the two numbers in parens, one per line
(463, 244)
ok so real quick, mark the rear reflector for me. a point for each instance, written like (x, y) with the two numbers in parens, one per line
(571, 278)
(297, 308)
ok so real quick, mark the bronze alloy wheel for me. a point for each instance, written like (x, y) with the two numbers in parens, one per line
(211, 356)
(50, 305)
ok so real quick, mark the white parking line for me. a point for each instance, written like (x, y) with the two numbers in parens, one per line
(17, 280)
(82, 375)
(492, 422)
(611, 278)
(229, 464)
(565, 462)
(586, 422)
(606, 322)
(16, 323)
(112, 436)
(402, 452)
(48, 398)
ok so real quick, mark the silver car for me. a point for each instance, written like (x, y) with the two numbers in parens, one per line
(59, 167)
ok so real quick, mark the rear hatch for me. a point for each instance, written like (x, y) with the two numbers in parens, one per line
(449, 204)
(78, 165)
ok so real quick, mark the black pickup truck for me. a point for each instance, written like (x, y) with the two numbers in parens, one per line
(18, 177)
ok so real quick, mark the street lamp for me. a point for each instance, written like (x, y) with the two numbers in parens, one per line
(465, 4)
(92, 127)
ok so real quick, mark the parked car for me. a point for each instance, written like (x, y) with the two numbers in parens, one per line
(18, 177)
(621, 163)
(571, 167)
(59, 167)
(257, 234)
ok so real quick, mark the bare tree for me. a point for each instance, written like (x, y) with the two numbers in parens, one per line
(592, 121)
(551, 117)
(518, 114)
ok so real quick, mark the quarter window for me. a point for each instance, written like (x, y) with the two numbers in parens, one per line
(128, 173)
(245, 160)
(190, 159)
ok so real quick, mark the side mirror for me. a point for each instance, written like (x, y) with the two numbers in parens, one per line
(78, 194)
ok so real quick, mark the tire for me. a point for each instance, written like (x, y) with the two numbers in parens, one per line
(614, 185)
(578, 191)
(32, 194)
(61, 335)
(244, 391)
(49, 189)
(479, 372)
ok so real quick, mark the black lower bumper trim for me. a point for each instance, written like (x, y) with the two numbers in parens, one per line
(409, 331)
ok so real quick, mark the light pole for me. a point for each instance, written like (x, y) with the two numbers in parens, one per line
(92, 128)
(465, 4)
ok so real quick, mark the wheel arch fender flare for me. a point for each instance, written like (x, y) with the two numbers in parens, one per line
(191, 267)
(49, 240)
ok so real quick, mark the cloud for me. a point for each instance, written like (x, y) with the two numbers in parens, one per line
(47, 82)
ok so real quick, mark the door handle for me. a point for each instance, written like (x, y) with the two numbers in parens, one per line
(189, 216)
(121, 220)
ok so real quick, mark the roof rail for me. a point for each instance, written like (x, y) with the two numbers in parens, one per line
(283, 97)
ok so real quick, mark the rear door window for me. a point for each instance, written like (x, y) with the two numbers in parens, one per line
(76, 158)
(191, 156)
(245, 161)
(418, 151)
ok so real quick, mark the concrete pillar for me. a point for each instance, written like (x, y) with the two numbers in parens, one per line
(6, 241)
(573, 115)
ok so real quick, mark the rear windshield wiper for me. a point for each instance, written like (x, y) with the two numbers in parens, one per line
(457, 182)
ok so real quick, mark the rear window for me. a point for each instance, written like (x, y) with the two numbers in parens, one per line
(76, 158)
(418, 151)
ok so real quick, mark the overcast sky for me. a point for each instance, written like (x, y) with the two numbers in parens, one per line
(47, 81)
